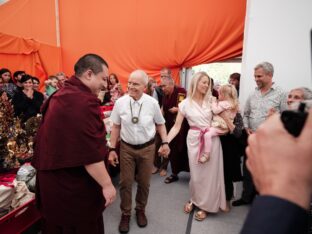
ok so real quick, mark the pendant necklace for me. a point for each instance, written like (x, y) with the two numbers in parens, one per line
(135, 119)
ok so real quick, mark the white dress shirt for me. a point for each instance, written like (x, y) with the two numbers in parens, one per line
(145, 129)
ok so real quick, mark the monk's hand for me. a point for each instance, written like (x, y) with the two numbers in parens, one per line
(113, 158)
(109, 193)
(173, 110)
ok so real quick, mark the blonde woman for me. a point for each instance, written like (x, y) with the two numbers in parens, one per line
(207, 190)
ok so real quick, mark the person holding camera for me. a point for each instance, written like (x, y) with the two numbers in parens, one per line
(282, 173)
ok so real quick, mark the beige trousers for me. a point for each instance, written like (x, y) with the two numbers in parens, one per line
(135, 164)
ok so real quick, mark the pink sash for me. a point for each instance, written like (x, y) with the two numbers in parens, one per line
(201, 139)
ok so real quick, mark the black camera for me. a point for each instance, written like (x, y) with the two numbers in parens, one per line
(294, 120)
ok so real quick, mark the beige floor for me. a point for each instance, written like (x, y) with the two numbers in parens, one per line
(165, 212)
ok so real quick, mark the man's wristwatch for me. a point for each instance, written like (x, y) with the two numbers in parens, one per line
(164, 143)
(110, 149)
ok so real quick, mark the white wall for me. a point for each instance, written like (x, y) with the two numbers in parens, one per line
(277, 31)
(186, 75)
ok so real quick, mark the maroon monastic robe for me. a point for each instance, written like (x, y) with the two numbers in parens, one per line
(178, 154)
(71, 135)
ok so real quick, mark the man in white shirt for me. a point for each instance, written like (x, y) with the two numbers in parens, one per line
(136, 117)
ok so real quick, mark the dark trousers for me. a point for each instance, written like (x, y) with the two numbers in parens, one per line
(249, 189)
(159, 161)
(95, 227)
(231, 163)
(228, 181)
(229, 188)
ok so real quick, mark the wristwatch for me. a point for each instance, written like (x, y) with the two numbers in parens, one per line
(164, 143)
(110, 149)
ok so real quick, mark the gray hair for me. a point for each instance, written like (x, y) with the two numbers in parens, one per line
(166, 69)
(168, 79)
(267, 67)
(307, 93)
(140, 73)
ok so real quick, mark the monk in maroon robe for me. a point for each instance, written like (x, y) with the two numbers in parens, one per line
(73, 186)
(173, 95)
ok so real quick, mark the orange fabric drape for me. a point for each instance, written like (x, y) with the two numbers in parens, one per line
(152, 34)
(29, 19)
(131, 34)
(26, 54)
(28, 37)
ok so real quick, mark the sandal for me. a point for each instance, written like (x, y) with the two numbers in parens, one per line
(200, 215)
(227, 207)
(155, 170)
(163, 172)
(204, 158)
(171, 179)
(188, 207)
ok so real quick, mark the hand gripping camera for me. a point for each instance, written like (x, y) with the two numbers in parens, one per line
(294, 120)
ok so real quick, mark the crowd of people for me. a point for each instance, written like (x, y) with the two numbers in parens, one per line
(23, 90)
(27, 95)
(200, 131)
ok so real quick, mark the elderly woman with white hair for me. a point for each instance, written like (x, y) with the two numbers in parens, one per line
(298, 95)
(207, 189)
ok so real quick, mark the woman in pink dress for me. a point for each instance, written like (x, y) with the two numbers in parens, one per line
(207, 190)
(114, 87)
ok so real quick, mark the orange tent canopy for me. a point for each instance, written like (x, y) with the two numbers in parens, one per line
(132, 34)
(28, 37)
(29, 55)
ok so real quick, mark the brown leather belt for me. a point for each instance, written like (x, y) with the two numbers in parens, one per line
(140, 146)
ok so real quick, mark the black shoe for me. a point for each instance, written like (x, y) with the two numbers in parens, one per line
(124, 223)
(240, 202)
(172, 178)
